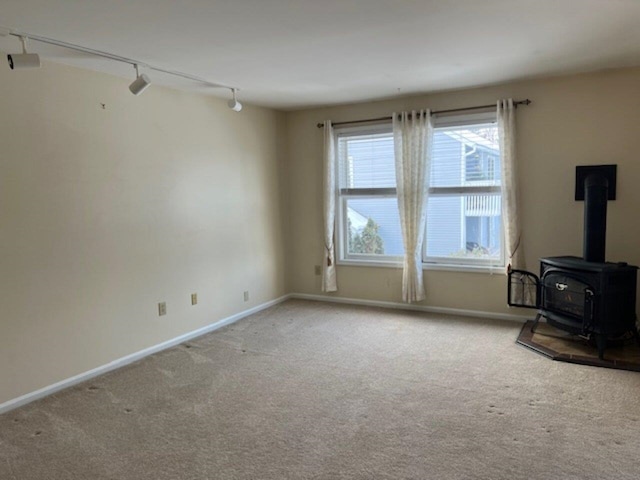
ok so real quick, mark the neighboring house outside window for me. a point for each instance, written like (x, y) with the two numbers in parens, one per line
(464, 224)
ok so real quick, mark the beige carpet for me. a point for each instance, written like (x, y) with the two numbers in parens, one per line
(308, 390)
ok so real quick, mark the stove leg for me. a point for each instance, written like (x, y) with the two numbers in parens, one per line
(535, 323)
(601, 343)
(636, 335)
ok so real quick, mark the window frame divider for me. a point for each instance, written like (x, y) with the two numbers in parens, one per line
(368, 192)
(466, 190)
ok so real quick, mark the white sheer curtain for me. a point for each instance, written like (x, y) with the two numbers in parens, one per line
(510, 215)
(413, 137)
(329, 282)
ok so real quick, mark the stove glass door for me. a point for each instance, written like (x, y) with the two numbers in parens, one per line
(565, 294)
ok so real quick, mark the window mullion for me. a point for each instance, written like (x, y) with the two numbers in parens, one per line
(368, 192)
(466, 190)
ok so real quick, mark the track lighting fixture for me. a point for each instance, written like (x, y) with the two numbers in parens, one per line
(234, 104)
(24, 59)
(140, 83)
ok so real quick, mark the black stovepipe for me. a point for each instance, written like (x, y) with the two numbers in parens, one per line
(595, 218)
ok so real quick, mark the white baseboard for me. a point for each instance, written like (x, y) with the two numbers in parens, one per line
(412, 306)
(134, 357)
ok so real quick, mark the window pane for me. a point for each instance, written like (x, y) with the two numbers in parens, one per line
(466, 156)
(367, 161)
(464, 227)
(373, 227)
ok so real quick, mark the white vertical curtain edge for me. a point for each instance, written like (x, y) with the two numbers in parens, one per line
(329, 280)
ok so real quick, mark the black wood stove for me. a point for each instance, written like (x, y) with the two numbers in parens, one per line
(584, 296)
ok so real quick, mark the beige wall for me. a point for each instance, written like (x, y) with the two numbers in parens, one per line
(106, 212)
(576, 120)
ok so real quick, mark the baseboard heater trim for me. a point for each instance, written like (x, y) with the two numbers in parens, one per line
(134, 357)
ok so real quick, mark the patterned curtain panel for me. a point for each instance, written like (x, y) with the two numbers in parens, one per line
(413, 137)
(510, 213)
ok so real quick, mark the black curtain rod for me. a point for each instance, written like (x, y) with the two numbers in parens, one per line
(451, 110)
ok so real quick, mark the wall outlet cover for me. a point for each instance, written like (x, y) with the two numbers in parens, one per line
(162, 308)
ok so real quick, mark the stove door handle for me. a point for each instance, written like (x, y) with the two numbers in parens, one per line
(562, 286)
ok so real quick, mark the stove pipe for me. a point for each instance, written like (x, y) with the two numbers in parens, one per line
(595, 217)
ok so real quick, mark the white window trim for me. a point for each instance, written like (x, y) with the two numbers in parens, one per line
(390, 261)
(343, 258)
(464, 264)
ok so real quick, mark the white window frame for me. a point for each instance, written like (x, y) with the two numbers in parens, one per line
(453, 263)
(394, 261)
(345, 194)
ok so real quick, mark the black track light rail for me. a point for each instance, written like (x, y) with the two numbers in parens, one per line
(117, 58)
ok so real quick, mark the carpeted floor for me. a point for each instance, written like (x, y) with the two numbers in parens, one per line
(309, 390)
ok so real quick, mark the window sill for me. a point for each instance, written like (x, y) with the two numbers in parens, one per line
(498, 270)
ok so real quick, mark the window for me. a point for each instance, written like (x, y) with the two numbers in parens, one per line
(464, 212)
(368, 206)
(464, 224)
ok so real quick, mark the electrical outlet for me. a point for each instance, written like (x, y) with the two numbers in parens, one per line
(194, 299)
(318, 270)
(162, 308)
(246, 296)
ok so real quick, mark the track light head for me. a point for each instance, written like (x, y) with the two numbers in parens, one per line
(140, 84)
(234, 104)
(24, 59)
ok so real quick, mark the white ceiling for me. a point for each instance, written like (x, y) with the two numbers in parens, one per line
(291, 54)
